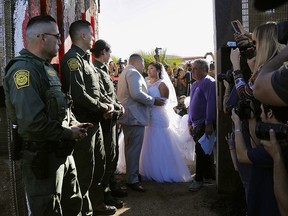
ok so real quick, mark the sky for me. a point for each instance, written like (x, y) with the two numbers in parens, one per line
(182, 27)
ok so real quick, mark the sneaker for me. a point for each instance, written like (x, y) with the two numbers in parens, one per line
(196, 185)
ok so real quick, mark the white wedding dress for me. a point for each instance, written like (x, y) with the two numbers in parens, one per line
(161, 159)
(167, 146)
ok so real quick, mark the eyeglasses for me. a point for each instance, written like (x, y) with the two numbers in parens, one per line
(58, 36)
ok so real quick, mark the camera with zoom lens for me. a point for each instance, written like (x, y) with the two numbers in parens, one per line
(262, 130)
(248, 53)
(228, 76)
(243, 110)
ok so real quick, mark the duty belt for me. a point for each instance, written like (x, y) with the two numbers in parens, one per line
(49, 146)
(35, 146)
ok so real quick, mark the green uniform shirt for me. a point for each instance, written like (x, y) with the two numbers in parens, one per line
(88, 97)
(26, 83)
(107, 83)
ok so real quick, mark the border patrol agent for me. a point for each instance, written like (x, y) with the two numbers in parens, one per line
(38, 110)
(101, 51)
(90, 103)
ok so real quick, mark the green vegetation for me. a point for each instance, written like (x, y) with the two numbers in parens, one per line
(164, 59)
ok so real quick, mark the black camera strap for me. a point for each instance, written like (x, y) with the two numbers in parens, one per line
(246, 128)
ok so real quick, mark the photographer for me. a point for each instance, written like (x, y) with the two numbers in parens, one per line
(270, 87)
(261, 198)
(230, 100)
(180, 84)
(280, 174)
(266, 46)
(119, 68)
(265, 40)
(111, 68)
(271, 84)
(188, 77)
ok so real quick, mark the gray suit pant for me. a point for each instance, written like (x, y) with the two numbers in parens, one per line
(133, 137)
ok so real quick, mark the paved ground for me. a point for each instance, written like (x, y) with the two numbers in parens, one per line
(160, 199)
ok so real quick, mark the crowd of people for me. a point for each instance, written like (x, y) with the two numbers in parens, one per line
(255, 99)
(69, 131)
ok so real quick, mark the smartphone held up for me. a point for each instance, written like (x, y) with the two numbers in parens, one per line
(235, 26)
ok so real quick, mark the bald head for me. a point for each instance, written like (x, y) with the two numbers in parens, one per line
(38, 25)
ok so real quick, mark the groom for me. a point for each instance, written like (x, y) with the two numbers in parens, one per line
(132, 93)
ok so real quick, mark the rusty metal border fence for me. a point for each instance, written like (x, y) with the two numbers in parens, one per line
(18, 201)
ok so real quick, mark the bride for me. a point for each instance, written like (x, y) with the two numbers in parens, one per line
(167, 144)
(161, 159)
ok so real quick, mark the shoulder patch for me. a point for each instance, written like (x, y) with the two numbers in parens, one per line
(51, 72)
(73, 64)
(22, 79)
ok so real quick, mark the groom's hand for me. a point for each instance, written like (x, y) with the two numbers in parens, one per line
(159, 101)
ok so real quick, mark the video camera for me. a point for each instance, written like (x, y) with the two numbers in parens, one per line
(157, 51)
(262, 130)
(120, 61)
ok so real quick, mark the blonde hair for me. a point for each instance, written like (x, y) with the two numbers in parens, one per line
(267, 45)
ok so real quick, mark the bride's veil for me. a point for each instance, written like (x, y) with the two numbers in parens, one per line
(172, 99)
(174, 118)
(178, 123)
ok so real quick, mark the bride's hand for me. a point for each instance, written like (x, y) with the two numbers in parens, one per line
(159, 101)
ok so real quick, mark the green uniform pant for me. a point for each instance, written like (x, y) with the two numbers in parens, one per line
(89, 155)
(109, 135)
(58, 194)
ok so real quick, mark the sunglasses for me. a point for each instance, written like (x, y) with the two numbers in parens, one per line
(58, 36)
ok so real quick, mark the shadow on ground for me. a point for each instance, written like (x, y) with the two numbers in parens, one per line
(160, 199)
(175, 199)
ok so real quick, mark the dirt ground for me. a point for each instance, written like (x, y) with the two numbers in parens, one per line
(160, 199)
(175, 199)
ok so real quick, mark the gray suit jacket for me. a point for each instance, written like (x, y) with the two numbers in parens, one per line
(132, 93)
